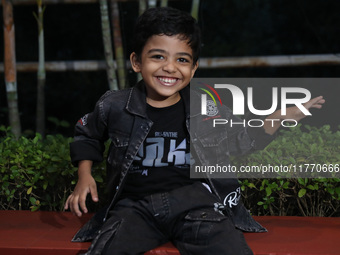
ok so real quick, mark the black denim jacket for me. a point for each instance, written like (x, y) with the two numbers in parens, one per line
(121, 117)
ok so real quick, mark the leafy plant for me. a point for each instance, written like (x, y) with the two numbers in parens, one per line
(37, 173)
(300, 146)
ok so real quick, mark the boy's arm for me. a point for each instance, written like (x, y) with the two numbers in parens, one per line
(292, 113)
(85, 185)
(86, 149)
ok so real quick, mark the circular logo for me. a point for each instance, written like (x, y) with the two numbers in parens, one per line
(211, 108)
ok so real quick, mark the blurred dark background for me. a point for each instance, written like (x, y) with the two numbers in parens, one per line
(231, 28)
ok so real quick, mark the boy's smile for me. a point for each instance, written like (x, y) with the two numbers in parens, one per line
(166, 64)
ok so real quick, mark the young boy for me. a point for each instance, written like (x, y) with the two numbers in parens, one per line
(153, 198)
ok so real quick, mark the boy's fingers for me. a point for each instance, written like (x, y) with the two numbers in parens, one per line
(315, 102)
(318, 103)
(66, 203)
(317, 106)
(82, 203)
(94, 193)
(74, 206)
(321, 101)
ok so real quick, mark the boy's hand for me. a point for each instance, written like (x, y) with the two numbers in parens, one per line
(86, 184)
(291, 113)
(296, 114)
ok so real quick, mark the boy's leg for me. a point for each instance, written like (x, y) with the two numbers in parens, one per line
(206, 231)
(200, 229)
(128, 230)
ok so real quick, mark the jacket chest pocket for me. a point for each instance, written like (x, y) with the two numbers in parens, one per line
(118, 147)
(120, 141)
(213, 139)
(215, 146)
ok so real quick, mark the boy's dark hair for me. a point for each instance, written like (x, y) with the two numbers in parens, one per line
(167, 21)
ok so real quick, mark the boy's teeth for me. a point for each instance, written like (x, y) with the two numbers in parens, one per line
(167, 80)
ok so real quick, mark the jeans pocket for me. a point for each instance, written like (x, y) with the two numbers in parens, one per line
(199, 224)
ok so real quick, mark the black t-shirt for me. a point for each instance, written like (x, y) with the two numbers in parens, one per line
(163, 161)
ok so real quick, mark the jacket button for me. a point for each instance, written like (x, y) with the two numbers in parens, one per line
(203, 215)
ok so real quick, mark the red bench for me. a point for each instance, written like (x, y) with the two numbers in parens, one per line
(49, 233)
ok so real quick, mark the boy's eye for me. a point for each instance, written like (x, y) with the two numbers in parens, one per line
(183, 60)
(157, 57)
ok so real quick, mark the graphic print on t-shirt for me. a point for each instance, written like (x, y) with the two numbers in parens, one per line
(162, 151)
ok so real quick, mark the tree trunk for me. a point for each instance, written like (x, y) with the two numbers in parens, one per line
(40, 111)
(142, 6)
(110, 70)
(152, 3)
(10, 67)
(195, 8)
(164, 3)
(117, 39)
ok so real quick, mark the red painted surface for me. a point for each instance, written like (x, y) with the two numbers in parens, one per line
(45, 233)
(49, 233)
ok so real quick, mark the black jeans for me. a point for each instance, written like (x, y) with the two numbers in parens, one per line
(187, 216)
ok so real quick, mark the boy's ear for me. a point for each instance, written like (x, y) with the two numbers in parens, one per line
(194, 68)
(135, 64)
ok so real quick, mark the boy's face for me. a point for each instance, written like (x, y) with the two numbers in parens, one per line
(166, 65)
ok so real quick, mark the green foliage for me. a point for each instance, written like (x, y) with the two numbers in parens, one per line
(295, 196)
(36, 173)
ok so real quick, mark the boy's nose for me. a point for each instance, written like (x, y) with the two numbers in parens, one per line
(169, 67)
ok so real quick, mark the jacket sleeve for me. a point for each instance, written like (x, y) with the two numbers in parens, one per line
(243, 139)
(90, 135)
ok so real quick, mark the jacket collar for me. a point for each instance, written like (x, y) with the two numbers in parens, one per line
(185, 94)
(136, 103)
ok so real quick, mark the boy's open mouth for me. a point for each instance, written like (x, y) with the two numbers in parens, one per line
(167, 81)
